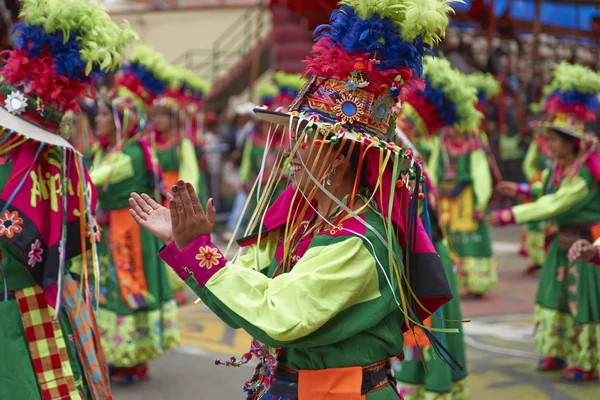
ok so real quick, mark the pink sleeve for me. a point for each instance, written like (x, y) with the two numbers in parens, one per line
(200, 259)
(506, 217)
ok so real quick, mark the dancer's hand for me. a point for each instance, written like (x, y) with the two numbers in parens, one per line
(492, 219)
(152, 216)
(582, 250)
(188, 218)
(508, 189)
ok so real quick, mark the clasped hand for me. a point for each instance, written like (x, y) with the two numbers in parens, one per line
(182, 222)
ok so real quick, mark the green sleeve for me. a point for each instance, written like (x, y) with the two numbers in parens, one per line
(246, 165)
(332, 293)
(548, 206)
(189, 171)
(114, 168)
(482, 178)
(434, 160)
(531, 161)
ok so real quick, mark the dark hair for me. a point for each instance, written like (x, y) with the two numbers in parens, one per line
(565, 137)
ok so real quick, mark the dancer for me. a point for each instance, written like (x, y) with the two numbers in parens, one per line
(173, 122)
(422, 121)
(289, 85)
(566, 315)
(49, 340)
(459, 168)
(137, 315)
(336, 265)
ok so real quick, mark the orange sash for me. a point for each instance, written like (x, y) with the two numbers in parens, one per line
(128, 258)
(416, 337)
(331, 384)
(170, 179)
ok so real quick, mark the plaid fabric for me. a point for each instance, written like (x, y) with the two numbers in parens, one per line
(47, 346)
(87, 340)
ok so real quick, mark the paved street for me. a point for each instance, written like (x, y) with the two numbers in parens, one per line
(501, 349)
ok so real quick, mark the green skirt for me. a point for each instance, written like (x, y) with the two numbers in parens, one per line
(477, 265)
(535, 242)
(438, 382)
(133, 337)
(567, 313)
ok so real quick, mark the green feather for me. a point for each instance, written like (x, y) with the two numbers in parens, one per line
(568, 77)
(454, 84)
(96, 30)
(485, 82)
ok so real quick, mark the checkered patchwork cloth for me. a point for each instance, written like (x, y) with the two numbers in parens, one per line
(87, 340)
(47, 346)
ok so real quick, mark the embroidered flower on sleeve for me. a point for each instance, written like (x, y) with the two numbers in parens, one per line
(208, 257)
(35, 254)
(10, 223)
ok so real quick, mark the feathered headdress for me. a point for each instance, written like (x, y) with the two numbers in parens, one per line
(267, 94)
(62, 47)
(146, 77)
(194, 90)
(289, 86)
(446, 101)
(572, 98)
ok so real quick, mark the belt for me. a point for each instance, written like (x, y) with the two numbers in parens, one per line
(286, 380)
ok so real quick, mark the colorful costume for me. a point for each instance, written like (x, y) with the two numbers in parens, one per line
(137, 315)
(326, 294)
(567, 316)
(49, 340)
(458, 166)
(435, 380)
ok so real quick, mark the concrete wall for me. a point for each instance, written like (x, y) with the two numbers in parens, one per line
(174, 32)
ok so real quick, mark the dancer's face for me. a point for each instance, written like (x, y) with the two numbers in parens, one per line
(105, 123)
(560, 145)
(162, 120)
(307, 161)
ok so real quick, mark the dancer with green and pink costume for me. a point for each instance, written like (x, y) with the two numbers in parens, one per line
(49, 341)
(137, 315)
(567, 312)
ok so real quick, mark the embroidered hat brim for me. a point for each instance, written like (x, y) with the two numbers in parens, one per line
(26, 128)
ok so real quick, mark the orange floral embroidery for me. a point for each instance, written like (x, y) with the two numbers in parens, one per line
(506, 216)
(10, 223)
(93, 229)
(208, 257)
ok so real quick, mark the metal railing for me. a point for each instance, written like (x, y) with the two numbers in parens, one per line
(253, 26)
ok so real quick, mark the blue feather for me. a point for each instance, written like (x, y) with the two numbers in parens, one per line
(66, 54)
(148, 79)
(590, 101)
(375, 35)
(446, 109)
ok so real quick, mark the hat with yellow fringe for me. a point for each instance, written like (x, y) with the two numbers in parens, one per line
(446, 101)
(571, 100)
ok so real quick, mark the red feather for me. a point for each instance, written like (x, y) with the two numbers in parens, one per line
(426, 110)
